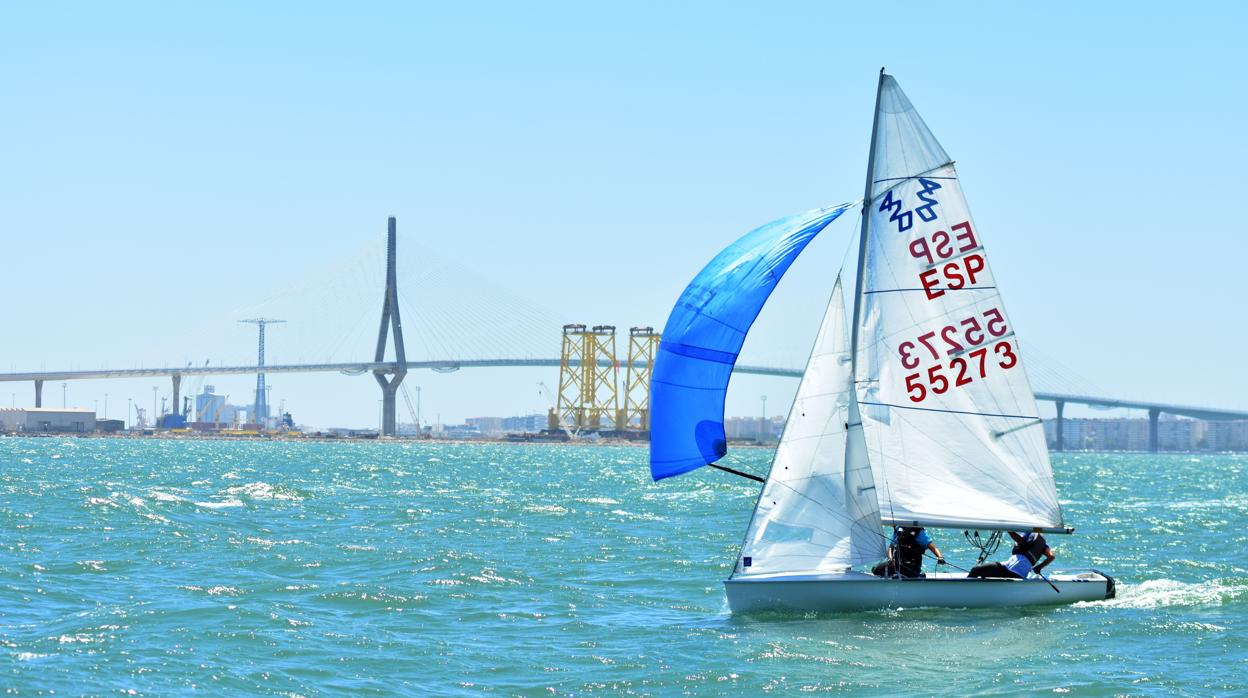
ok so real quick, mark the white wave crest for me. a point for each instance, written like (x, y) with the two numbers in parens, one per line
(1160, 593)
(262, 490)
(220, 505)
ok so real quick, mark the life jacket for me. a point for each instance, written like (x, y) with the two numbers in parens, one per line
(1033, 549)
(909, 552)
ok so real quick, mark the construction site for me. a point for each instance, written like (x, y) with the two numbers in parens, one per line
(593, 397)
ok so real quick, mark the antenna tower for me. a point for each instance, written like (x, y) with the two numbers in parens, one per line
(261, 406)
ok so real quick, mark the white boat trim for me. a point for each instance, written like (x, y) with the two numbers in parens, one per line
(859, 591)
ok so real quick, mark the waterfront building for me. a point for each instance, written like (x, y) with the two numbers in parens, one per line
(754, 428)
(1173, 434)
(64, 420)
(525, 424)
(213, 410)
(486, 426)
(456, 431)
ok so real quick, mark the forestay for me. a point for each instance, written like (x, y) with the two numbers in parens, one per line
(703, 337)
(953, 432)
(818, 511)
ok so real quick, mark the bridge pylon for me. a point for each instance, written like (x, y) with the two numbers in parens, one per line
(390, 321)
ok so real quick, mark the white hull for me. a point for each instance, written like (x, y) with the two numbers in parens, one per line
(856, 591)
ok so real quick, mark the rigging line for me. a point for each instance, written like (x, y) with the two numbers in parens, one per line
(836, 515)
(898, 179)
(849, 247)
(933, 409)
(875, 196)
(418, 328)
(842, 516)
(426, 330)
(790, 423)
(934, 288)
(928, 553)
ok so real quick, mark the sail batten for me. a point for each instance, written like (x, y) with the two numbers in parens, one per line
(933, 409)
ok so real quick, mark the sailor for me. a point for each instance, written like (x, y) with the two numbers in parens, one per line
(1027, 551)
(905, 553)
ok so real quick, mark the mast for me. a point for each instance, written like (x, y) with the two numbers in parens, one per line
(862, 238)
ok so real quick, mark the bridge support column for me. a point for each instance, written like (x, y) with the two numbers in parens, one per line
(177, 394)
(1060, 443)
(1153, 415)
(390, 321)
(38, 392)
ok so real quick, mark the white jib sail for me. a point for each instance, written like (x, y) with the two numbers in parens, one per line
(818, 511)
(953, 431)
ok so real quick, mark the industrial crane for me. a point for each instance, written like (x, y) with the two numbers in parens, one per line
(193, 393)
(554, 409)
(415, 413)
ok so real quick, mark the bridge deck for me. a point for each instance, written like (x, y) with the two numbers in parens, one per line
(1194, 412)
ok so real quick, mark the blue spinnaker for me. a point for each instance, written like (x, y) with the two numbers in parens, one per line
(704, 334)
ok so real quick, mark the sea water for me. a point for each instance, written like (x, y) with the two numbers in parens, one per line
(155, 567)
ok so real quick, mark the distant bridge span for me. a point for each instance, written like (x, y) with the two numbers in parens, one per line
(1154, 409)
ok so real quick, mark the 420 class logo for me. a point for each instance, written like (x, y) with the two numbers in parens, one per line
(905, 219)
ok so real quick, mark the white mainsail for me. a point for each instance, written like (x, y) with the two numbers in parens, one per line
(952, 428)
(818, 511)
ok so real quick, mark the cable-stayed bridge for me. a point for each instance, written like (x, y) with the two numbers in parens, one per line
(390, 373)
(391, 368)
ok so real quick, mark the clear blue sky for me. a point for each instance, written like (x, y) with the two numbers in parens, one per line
(171, 167)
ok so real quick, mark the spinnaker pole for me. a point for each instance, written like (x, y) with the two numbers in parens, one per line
(734, 471)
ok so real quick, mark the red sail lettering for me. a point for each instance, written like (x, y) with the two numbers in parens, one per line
(941, 240)
(929, 281)
(966, 237)
(953, 272)
(974, 265)
(918, 250)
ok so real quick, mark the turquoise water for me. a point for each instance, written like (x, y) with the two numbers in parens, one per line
(168, 567)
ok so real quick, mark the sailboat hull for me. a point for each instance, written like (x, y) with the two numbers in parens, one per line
(855, 591)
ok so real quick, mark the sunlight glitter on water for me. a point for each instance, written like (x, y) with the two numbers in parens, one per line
(293, 568)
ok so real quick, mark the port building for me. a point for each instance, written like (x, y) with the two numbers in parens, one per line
(64, 420)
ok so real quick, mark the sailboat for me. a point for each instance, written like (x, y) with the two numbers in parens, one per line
(914, 411)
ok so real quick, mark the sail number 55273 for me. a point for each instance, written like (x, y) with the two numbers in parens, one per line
(961, 371)
(953, 338)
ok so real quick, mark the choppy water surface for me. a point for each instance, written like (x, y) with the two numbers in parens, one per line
(300, 569)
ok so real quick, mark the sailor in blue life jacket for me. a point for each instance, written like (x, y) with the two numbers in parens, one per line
(1028, 549)
(905, 553)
